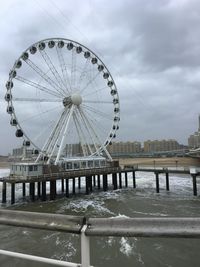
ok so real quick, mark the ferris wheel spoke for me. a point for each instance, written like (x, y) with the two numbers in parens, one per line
(44, 76)
(40, 114)
(37, 86)
(95, 135)
(89, 147)
(48, 140)
(96, 122)
(96, 91)
(89, 82)
(34, 99)
(66, 125)
(97, 102)
(98, 112)
(73, 70)
(80, 135)
(83, 73)
(87, 131)
(55, 132)
(53, 70)
(63, 69)
(57, 135)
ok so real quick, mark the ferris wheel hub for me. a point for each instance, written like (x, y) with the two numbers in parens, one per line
(74, 99)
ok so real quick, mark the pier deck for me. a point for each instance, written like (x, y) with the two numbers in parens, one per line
(96, 177)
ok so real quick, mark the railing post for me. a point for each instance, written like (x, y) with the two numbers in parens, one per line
(85, 248)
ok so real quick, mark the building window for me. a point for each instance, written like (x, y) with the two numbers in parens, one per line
(83, 164)
(69, 165)
(76, 165)
(90, 164)
(30, 168)
(96, 163)
(35, 168)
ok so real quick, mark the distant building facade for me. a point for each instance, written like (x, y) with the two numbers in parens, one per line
(161, 145)
(124, 147)
(194, 139)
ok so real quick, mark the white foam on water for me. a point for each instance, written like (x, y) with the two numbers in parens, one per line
(82, 205)
(125, 247)
(151, 213)
(120, 216)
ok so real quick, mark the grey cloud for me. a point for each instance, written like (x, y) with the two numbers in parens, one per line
(151, 48)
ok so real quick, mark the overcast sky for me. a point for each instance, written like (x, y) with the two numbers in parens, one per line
(152, 49)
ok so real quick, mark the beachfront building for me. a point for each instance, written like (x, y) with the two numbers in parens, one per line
(124, 148)
(194, 139)
(161, 145)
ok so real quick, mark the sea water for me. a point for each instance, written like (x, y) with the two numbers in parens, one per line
(109, 251)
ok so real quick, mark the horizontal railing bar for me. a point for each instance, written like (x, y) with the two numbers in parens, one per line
(38, 259)
(184, 227)
(46, 221)
(145, 227)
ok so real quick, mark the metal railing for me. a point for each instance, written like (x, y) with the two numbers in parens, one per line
(178, 227)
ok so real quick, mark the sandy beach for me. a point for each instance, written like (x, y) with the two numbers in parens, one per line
(163, 162)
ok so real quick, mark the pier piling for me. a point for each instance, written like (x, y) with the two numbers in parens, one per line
(12, 193)
(67, 187)
(120, 180)
(62, 185)
(126, 179)
(52, 190)
(94, 180)
(39, 189)
(134, 181)
(79, 182)
(167, 181)
(23, 189)
(98, 181)
(157, 182)
(105, 182)
(194, 181)
(114, 177)
(4, 192)
(32, 191)
(87, 178)
(44, 191)
(74, 186)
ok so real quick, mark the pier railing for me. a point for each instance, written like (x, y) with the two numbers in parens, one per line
(178, 227)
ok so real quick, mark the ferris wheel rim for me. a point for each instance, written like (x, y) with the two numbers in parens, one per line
(116, 116)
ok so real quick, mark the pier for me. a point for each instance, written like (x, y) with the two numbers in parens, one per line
(94, 179)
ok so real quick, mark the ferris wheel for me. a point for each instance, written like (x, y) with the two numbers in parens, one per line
(63, 100)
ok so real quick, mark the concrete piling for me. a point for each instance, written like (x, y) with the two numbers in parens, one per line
(167, 181)
(157, 182)
(134, 181)
(4, 192)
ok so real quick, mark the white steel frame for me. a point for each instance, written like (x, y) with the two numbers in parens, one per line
(59, 87)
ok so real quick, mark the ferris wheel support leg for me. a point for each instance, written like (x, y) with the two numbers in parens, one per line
(84, 138)
(64, 135)
(58, 133)
(55, 135)
(87, 126)
(98, 139)
(49, 140)
(79, 134)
